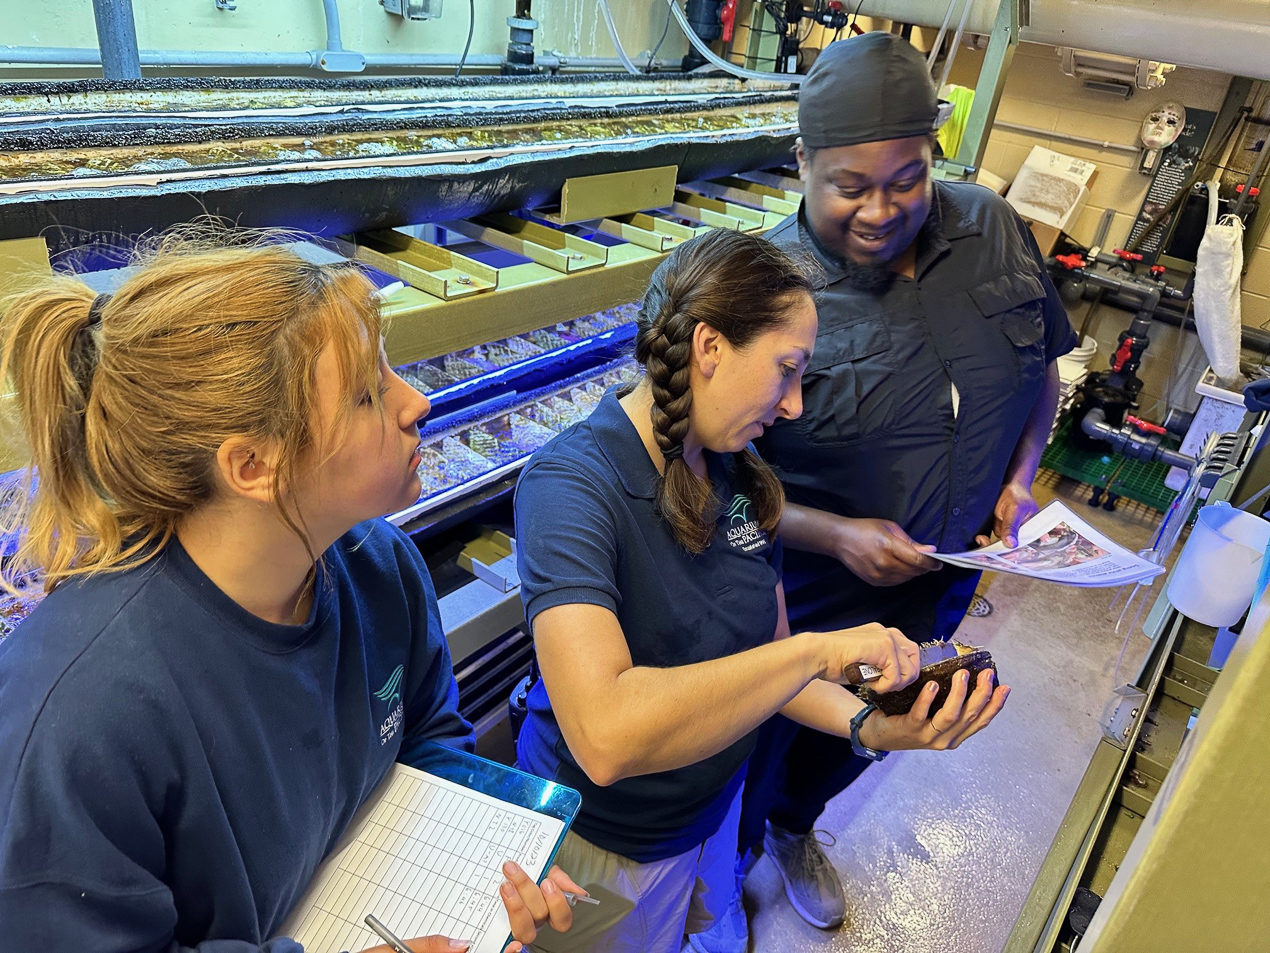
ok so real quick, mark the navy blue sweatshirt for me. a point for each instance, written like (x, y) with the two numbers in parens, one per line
(173, 768)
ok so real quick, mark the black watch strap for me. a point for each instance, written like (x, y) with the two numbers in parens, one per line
(860, 749)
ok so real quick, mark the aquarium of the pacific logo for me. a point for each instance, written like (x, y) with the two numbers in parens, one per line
(742, 532)
(391, 693)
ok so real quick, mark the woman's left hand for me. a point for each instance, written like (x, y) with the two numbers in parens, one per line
(963, 714)
(530, 905)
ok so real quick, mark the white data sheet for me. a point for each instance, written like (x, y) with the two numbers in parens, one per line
(425, 856)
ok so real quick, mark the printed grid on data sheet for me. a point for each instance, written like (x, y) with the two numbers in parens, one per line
(428, 860)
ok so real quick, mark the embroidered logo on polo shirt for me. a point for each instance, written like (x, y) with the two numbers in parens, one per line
(742, 532)
(391, 693)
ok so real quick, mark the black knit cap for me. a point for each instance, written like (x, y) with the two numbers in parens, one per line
(866, 89)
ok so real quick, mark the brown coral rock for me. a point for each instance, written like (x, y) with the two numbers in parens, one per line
(940, 662)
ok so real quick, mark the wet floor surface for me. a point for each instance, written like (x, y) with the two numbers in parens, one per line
(937, 850)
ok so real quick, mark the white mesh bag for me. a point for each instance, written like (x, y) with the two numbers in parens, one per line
(1219, 265)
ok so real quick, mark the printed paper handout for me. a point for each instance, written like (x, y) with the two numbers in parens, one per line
(1058, 546)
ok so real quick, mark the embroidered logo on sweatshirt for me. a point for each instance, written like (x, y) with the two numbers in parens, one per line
(391, 693)
(742, 532)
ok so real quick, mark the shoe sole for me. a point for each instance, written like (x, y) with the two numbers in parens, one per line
(789, 895)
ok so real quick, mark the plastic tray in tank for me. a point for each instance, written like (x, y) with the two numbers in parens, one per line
(476, 367)
(491, 442)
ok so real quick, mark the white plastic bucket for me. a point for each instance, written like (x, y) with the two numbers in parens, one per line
(1073, 364)
(1084, 354)
(1215, 575)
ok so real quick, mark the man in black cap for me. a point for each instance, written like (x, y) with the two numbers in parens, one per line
(926, 407)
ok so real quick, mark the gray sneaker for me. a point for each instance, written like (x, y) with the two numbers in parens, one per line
(730, 933)
(811, 883)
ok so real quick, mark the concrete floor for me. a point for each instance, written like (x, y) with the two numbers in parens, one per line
(937, 850)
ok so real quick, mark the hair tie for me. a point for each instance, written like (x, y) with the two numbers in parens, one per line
(674, 453)
(85, 350)
(95, 309)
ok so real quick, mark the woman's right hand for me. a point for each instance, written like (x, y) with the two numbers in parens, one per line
(529, 906)
(887, 650)
(427, 944)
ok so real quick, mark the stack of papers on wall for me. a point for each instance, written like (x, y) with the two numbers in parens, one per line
(1056, 545)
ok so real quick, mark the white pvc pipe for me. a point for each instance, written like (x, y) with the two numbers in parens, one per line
(1231, 36)
(939, 37)
(956, 44)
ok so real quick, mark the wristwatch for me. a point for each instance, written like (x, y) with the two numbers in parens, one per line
(860, 749)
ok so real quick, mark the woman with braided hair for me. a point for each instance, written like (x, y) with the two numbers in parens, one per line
(650, 572)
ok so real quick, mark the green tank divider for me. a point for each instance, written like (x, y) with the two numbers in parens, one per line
(1131, 479)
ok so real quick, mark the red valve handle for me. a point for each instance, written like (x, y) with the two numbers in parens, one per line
(1157, 270)
(1127, 255)
(1145, 425)
(1122, 354)
(727, 16)
(1071, 262)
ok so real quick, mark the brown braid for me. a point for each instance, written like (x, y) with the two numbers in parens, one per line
(740, 285)
(667, 363)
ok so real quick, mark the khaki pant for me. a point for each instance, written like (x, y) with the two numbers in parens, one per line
(645, 908)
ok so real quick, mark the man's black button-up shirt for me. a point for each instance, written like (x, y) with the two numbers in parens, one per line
(917, 394)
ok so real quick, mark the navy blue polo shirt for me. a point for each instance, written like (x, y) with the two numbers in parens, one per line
(588, 532)
(882, 434)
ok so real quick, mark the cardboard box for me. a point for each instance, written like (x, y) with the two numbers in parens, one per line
(992, 181)
(1050, 186)
(1050, 191)
(1047, 236)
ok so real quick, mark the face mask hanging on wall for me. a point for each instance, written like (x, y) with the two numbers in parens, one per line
(1160, 129)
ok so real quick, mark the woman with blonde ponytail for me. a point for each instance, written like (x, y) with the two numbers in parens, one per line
(191, 717)
(649, 561)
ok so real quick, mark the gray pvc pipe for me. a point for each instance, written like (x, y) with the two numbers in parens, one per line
(77, 56)
(117, 39)
(1066, 137)
(332, 14)
(1122, 439)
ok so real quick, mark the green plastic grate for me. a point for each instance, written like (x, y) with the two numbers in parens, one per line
(1132, 479)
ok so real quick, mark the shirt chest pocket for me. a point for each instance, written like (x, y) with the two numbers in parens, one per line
(844, 393)
(1015, 303)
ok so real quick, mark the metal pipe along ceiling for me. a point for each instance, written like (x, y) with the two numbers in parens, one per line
(1227, 35)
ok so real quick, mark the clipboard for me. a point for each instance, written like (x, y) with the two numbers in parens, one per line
(506, 784)
(424, 854)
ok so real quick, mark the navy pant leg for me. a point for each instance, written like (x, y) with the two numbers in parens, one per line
(765, 778)
(817, 767)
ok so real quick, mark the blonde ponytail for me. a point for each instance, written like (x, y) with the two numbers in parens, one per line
(66, 513)
(124, 418)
